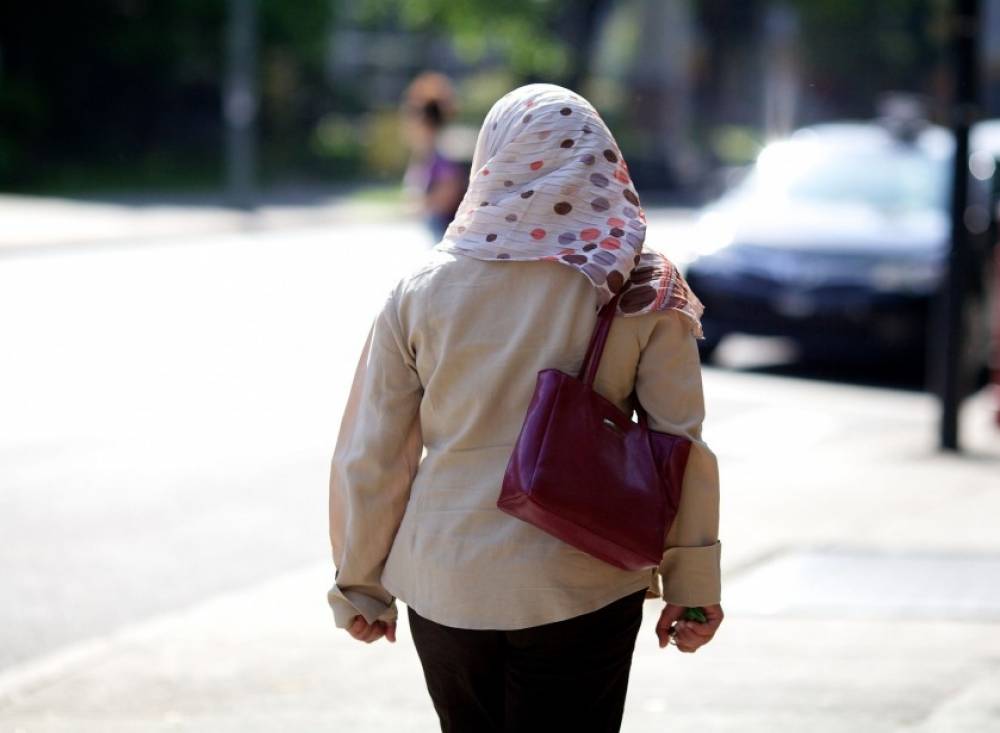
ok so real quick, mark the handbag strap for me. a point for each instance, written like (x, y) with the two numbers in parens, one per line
(592, 360)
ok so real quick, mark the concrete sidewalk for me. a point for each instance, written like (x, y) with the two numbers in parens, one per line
(34, 223)
(858, 590)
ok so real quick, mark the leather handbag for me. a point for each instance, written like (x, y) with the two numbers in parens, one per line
(584, 472)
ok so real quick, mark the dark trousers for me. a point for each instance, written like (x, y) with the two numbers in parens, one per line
(567, 675)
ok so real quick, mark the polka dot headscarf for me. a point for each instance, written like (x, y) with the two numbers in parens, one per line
(549, 183)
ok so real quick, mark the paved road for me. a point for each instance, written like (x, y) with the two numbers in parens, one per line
(166, 417)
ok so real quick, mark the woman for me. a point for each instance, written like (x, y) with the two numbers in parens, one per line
(431, 177)
(515, 629)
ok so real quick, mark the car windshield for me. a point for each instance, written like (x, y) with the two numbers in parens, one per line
(891, 178)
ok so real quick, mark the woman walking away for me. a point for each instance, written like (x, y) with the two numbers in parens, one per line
(432, 178)
(515, 629)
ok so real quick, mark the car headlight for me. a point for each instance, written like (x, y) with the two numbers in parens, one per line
(909, 277)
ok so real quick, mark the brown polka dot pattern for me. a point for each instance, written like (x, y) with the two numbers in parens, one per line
(615, 281)
(563, 208)
(637, 298)
(600, 204)
(641, 275)
(609, 155)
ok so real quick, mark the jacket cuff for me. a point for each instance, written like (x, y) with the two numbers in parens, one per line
(346, 604)
(691, 575)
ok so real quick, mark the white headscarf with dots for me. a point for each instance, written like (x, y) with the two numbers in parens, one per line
(549, 183)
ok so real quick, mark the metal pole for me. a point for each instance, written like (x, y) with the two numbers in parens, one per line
(239, 102)
(993, 266)
(964, 26)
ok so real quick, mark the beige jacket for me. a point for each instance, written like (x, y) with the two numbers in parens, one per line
(450, 367)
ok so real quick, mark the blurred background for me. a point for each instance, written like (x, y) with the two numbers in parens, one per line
(192, 195)
(120, 97)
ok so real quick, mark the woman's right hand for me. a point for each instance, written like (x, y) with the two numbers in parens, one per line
(366, 632)
(689, 636)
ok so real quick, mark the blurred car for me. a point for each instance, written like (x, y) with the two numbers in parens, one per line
(837, 238)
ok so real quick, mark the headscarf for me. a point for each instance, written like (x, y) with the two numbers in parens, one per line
(549, 183)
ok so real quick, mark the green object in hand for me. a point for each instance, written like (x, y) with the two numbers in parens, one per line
(695, 614)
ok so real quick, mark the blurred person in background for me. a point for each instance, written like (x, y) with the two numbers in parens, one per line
(436, 182)
(515, 629)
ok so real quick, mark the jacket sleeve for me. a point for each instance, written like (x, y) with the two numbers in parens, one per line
(375, 460)
(668, 384)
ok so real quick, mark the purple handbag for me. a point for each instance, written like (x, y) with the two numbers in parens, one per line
(585, 473)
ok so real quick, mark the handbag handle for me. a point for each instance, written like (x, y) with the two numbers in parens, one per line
(592, 360)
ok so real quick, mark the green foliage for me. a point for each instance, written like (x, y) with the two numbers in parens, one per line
(853, 50)
(115, 85)
(734, 144)
(302, 26)
(480, 90)
(294, 93)
(130, 88)
(524, 33)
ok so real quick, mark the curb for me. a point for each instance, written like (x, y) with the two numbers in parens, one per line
(125, 225)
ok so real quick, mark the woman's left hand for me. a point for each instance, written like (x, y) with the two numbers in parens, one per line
(366, 632)
(689, 636)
